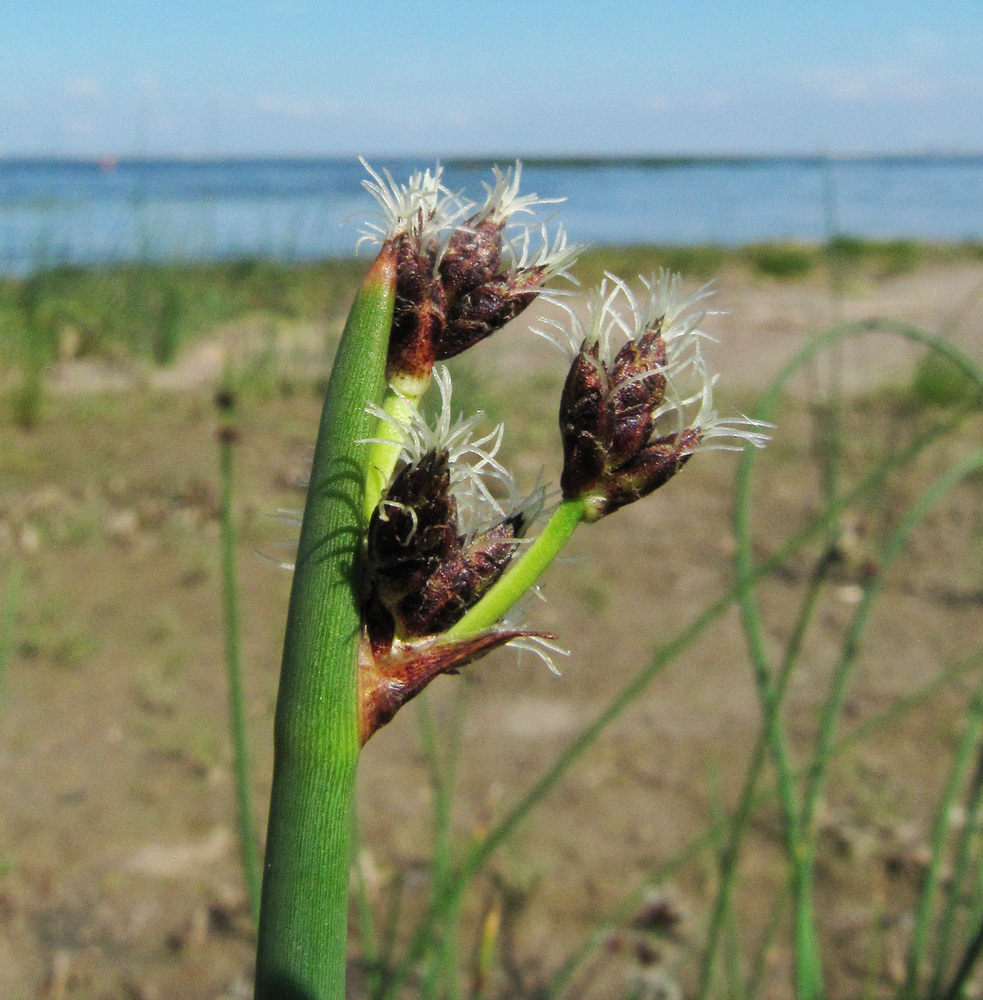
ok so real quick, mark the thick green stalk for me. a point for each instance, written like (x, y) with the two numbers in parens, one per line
(304, 913)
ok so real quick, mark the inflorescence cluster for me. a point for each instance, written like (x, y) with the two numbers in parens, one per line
(447, 532)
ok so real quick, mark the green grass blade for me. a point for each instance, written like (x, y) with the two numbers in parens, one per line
(955, 885)
(246, 820)
(562, 983)
(8, 622)
(962, 759)
(482, 851)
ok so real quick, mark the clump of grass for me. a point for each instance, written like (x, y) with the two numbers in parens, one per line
(150, 311)
(784, 262)
(886, 258)
(700, 261)
(938, 381)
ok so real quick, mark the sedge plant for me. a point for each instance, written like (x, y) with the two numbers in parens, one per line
(416, 547)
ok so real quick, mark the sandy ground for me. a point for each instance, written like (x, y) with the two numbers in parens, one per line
(118, 866)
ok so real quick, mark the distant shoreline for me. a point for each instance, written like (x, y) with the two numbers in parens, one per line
(111, 161)
(788, 259)
(83, 211)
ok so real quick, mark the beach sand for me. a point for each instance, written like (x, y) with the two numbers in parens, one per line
(117, 843)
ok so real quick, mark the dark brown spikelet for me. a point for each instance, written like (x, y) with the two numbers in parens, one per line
(585, 423)
(473, 256)
(413, 531)
(651, 468)
(458, 584)
(607, 416)
(418, 312)
(638, 387)
(487, 308)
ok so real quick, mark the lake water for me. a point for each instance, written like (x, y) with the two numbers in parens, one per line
(61, 212)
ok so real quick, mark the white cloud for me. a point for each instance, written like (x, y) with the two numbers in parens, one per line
(82, 88)
(146, 83)
(887, 82)
(286, 8)
(924, 41)
(297, 109)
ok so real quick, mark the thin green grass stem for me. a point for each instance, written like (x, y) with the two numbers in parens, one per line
(974, 915)
(304, 913)
(482, 851)
(962, 759)
(522, 573)
(759, 963)
(772, 693)
(808, 971)
(601, 932)
(805, 859)
(957, 988)
(731, 935)
(442, 978)
(962, 867)
(248, 838)
(8, 621)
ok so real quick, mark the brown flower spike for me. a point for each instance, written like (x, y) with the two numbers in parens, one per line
(624, 418)
(460, 278)
(436, 542)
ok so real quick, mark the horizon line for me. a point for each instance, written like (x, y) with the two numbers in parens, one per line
(464, 160)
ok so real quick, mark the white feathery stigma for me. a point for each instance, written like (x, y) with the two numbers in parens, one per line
(477, 478)
(724, 433)
(423, 206)
(616, 315)
(502, 199)
(552, 257)
(542, 647)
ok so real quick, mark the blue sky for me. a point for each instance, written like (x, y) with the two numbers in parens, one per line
(407, 77)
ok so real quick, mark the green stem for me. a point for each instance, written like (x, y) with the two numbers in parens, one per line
(304, 914)
(383, 453)
(443, 976)
(961, 875)
(961, 763)
(248, 839)
(8, 621)
(772, 694)
(522, 573)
